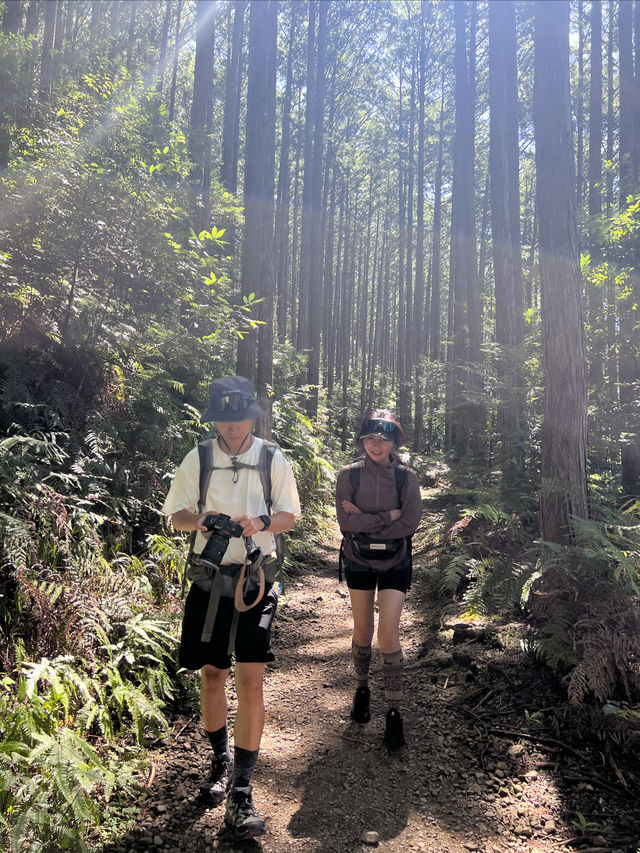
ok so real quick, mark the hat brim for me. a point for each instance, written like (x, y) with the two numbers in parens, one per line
(392, 437)
(252, 412)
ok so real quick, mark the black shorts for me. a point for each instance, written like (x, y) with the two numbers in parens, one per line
(359, 577)
(253, 634)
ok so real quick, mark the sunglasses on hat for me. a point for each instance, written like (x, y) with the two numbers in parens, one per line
(233, 401)
(377, 426)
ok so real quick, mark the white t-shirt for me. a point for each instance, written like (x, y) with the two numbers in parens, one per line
(244, 497)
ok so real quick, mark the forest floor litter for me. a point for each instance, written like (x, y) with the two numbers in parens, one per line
(488, 767)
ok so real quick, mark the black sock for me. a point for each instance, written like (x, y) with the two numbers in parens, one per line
(219, 740)
(245, 761)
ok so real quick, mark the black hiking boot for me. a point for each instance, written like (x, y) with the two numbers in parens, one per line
(393, 733)
(214, 789)
(241, 815)
(360, 710)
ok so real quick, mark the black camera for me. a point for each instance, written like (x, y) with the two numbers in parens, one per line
(222, 529)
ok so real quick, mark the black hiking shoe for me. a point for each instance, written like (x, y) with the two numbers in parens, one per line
(214, 789)
(393, 733)
(360, 710)
(241, 815)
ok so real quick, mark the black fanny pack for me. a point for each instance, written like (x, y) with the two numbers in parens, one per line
(369, 548)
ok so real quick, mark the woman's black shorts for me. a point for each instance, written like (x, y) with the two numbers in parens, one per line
(359, 577)
(253, 634)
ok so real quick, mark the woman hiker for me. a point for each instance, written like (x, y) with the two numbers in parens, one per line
(379, 507)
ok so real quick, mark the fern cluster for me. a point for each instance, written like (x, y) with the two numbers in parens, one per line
(586, 611)
(53, 780)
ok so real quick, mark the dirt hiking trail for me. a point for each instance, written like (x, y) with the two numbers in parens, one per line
(477, 774)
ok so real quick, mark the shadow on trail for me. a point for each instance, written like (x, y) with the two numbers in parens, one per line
(375, 788)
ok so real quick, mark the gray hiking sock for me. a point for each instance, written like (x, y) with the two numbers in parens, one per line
(245, 762)
(219, 740)
(361, 660)
(393, 677)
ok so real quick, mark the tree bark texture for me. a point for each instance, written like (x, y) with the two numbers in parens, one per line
(505, 228)
(258, 274)
(563, 488)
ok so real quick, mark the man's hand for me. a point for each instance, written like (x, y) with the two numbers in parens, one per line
(395, 514)
(347, 506)
(250, 525)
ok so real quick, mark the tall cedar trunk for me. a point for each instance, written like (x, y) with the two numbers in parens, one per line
(404, 398)
(8, 90)
(466, 346)
(627, 97)
(611, 122)
(580, 108)
(636, 80)
(164, 39)
(258, 273)
(419, 328)
(505, 229)
(564, 432)
(58, 42)
(68, 35)
(176, 56)
(30, 29)
(401, 361)
(46, 67)
(474, 313)
(307, 182)
(133, 12)
(435, 336)
(231, 121)
(315, 248)
(12, 16)
(629, 349)
(346, 316)
(594, 195)
(202, 107)
(283, 197)
(595, 111)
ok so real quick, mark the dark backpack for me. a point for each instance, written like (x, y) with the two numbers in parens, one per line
(400, 472)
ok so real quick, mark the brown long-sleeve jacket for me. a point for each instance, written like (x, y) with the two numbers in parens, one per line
(375, 497)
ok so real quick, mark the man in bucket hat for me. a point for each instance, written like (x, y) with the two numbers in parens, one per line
(236, 489)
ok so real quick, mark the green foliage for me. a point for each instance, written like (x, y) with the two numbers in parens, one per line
(586, 612)
(54, 783)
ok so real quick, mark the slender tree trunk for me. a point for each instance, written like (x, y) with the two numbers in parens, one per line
(564, 484)
(611, 125)
(231, 122)
(164, 39)
(258, 271)
(627, 99)
(202, 108)
(595, 292)
(629, 350)
(176, 56)
(580, 109)
(307, 182)
(315, 248)
(12, 17)
(46, 69)
(466, 312)
(436, 337)
(283, 198)
(505, 228)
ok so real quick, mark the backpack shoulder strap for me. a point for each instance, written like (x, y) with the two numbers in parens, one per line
(267, 452)
(205, 455)
(400, 471)
(354, 476)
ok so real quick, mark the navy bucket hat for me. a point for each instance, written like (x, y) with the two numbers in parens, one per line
(231, 398)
